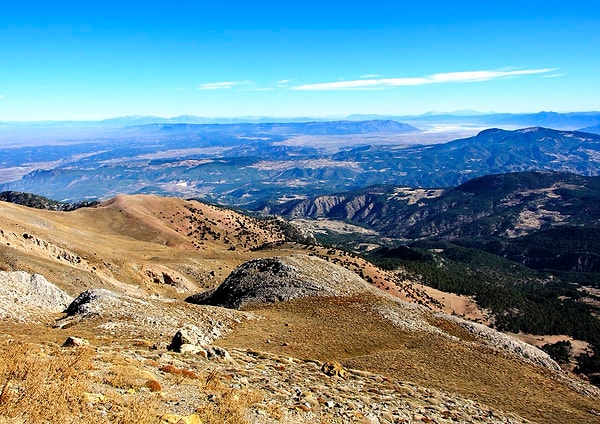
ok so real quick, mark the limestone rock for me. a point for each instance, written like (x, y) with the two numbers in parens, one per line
(28, 297)
(75, 342)
(334, 368)
(180, 419)
(92, 303)
(189, 335)
(216, 352)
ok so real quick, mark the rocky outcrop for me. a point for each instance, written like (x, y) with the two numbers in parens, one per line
(92, 303)
(30, 298)
(278, 279)
(195, 340)
(73, 341)
(112, 313)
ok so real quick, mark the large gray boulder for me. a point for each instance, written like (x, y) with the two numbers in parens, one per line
(278, 279)
(94, 302)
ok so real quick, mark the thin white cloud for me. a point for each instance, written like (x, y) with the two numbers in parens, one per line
(370, 76)
(552, 75)
(283, 83)
(448, 77)
(224, 85)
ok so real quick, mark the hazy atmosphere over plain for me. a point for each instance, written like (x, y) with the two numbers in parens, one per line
(70, 60)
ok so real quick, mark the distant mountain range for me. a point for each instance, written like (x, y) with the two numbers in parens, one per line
(283, 129)
(556, 120)
(568, 121)
(253, 168)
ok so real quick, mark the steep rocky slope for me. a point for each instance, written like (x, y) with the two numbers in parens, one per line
(30, 298)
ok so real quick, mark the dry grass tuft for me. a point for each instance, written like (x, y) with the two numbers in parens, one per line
(131, 410)
(153, 385)
(128, 377)
(230, 408)
(212, 380)
(185, 373)
(49, 385)
(189, 374)
(42, 387)
(170, 369)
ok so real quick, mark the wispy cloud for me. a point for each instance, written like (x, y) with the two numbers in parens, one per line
(448, 77)
(283, 83)
(224, 85)
(552, 75)
(370, 76)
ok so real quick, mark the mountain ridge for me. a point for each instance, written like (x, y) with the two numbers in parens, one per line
(412, 213)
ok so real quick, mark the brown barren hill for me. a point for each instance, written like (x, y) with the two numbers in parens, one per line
(137, 244)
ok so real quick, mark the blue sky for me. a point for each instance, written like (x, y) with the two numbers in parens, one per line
(72, 60)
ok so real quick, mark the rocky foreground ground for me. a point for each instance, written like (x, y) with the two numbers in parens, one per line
(165, 358)
(284, 389)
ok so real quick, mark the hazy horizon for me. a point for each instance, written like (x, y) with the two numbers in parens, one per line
(220, 119)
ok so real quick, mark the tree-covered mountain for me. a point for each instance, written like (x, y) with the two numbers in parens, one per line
(541, 219)
(41, 202)
(525, 246)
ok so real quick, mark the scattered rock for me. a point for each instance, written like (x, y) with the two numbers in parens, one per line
(93, 397)
(334, 368)
(161, 346)
(75, 342)
(216, 352)
(189, 348)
